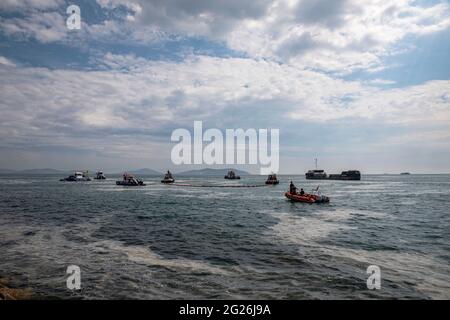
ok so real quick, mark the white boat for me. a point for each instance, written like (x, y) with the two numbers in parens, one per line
(77, 176)
(99, 176)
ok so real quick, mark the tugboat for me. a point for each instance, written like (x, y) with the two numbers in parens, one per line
(272, 179)
(231, 175)
(130, 180)
(99, 176)
(168, 178)
(77, 176)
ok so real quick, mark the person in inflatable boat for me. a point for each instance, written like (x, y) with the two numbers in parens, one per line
(292, 188)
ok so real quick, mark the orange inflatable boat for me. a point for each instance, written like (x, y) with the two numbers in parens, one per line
(308, 198)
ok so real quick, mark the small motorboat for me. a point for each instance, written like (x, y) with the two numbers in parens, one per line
(77, 176)
(130, 180)
(308, 198)
(168, 178)
(99, 176)
(231, 175)
(272, 179)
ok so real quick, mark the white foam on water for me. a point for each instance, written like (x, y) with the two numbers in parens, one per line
(143, 255)
(306, 230)
(15, 181)
(112, 189)
(213, 195)
(185, 196)
(369, 213)
(200, 193)
(116, 188)
(429, 275)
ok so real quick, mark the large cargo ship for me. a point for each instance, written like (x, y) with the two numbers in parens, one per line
(344, 175)
(322, 175)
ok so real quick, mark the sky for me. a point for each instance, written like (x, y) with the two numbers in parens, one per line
(357, 84)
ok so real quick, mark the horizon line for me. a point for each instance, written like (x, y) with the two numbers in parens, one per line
(250, 173)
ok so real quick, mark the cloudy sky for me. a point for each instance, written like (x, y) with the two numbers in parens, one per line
(358, 84)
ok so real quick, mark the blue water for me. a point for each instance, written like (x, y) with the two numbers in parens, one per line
(161, 242)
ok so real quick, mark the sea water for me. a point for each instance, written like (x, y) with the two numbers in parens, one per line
(181, 242)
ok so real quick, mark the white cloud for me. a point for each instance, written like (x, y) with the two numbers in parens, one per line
(146, 100)
(42, 26)
(426, 103)
(354, 35)
(123, 116)
(296, 51)
(25, 5)
(433, 137)
(6, 62)
(334, 36)
(380, 82)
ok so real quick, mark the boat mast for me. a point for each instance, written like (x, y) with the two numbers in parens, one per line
(316, 163)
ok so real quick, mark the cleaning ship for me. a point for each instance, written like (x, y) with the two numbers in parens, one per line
(168, 178)
(99, 176)
(272, 179)
(316, 174)
(346, 175)
(77, 176)
(130, 180)
(231, 175)
(322, 175)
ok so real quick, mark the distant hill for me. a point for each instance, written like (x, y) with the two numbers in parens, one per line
(145, 172)
(42, 171)
(137, 172)
(212, 172)
(33, 171)
(6, 171)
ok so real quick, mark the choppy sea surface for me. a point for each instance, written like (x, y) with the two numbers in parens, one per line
(182, 242)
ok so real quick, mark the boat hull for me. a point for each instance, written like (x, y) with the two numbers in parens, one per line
(129, 184)
(316, 177)
(167, 180)
(338, 177)
(307, 198)
(273, 182)
(75, 180)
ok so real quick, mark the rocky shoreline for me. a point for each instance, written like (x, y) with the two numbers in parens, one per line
(9, 293)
